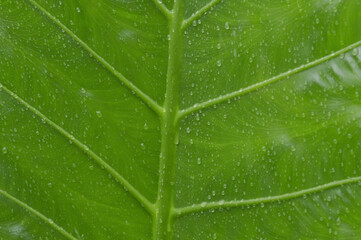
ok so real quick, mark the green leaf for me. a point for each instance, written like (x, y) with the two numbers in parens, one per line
(207, 119)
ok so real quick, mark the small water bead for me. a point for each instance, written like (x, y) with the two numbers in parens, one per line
(142, 146)
(194, 23)
(4, 150)
(355, 52)
(99, 114)
(176, 139)
(226, 25)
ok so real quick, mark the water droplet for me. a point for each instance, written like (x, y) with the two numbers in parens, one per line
(219, 63)
(99, 114)
(176, 139)
(78, 10)
(226, 25)
(355, 52)
(142, 146)
(5, 150)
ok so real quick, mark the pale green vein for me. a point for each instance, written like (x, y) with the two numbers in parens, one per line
(144, 97)
(199, 13)
(135, 193)
(257, 86)
(239, 203)
(163, 8)
(38, 214)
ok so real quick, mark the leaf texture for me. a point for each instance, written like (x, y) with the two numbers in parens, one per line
(152, 119)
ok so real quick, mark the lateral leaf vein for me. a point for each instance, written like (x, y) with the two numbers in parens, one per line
(283, 197)
(38, 214)
(257, 86)
(135, 193)
(143, 96)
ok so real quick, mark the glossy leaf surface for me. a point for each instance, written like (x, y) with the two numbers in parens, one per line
(222, 119)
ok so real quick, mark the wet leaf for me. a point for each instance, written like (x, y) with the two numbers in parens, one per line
(205, 119)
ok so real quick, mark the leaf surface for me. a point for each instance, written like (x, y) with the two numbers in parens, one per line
(201, 119)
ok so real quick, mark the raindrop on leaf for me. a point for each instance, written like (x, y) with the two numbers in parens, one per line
(4, 150)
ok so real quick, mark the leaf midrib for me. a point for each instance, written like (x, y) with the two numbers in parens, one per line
(180, 114)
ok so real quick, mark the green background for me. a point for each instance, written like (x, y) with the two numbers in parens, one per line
(300, 132)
